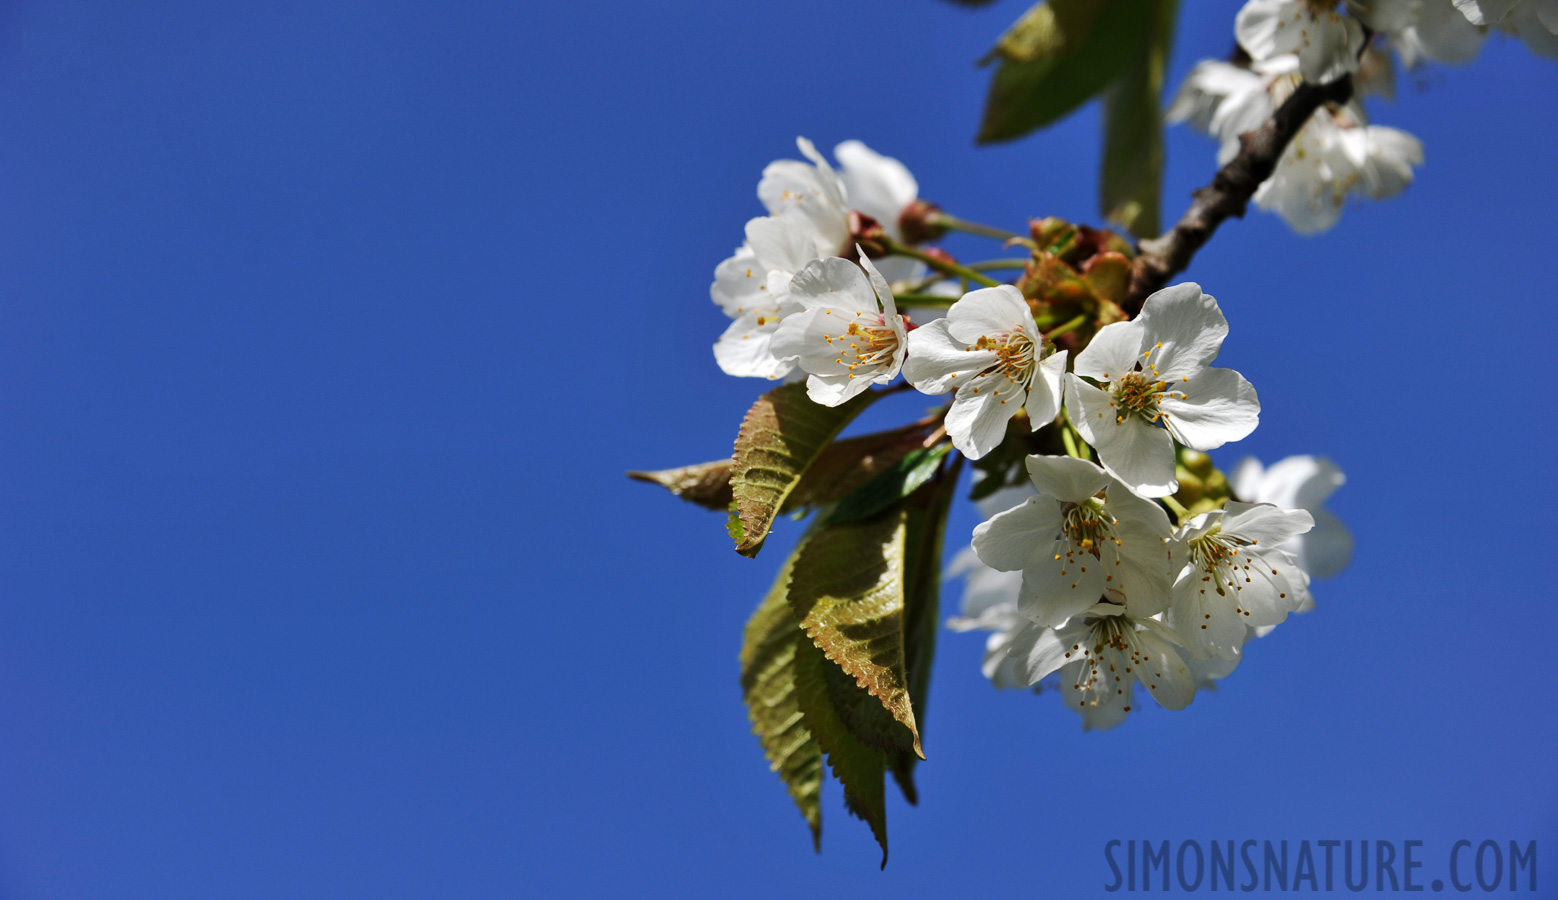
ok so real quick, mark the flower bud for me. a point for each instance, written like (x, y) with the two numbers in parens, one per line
(918, 222)
(868, 233)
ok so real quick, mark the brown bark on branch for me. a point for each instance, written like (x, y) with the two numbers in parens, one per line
(1229, 193)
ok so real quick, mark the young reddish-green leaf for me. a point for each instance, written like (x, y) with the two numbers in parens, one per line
(782, 435)
(768, 685)
(706, 484)
(859, 767)
(841, 469)
(847, 590)
(1130, 182)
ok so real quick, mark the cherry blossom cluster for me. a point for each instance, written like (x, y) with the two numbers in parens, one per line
(1084, 577)
(1338, 154)
(1277, 536)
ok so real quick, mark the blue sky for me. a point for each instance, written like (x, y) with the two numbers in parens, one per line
(326, 333)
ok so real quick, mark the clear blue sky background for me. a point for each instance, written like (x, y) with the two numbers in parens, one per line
(326, 333)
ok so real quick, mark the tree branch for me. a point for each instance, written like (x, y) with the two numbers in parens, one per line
(1229, 193)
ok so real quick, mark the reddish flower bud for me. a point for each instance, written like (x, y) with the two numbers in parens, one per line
(868, 233)
(918, 224)
(938, 253)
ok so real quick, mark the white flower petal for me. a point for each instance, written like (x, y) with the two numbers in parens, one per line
(803, 337)
(1187, 324)
(744, 350)
(1327, 549)
(1264, 523)
(1114, 351)
(1444, 35)
(879, 285)
(1013, 539)
(1055, 590)
(1259, 28)
(877, 185)
(738, 282)
(834, 282)
(1066, 479)
(1036, 651)
(988, 312)
(1206, 620)
(1485, 12)
(938, 363)
(1131, 449)
(1302, 482)
(781, 242)
(1136, 571)
(1332, 49)
(1221, 407)
(1163, 672)
(980, 412)
(1246, 480)
(831, 390)
(1044, 395)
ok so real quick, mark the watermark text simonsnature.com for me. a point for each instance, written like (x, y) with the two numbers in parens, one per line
(1328, 865)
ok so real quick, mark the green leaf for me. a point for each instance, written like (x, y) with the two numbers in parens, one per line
(847, 590)
(1131, 182)
(1056, 58)
(768, 685)
(860, 768)
(893, 485)
(927, 525)
(782, 435)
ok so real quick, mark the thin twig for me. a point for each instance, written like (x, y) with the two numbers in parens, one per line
(1229, 193)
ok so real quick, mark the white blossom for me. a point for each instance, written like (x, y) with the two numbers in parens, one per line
(1085, 536)
(847, 335)
(1100, 655)
(990, 596)
(1321, 32)
(811, 192)
(989, 604)
(1156, 386)
(1207, 672)
(1235, 575)
(1225, 100)
(879, 186)
(1440, 33)
(1536, 23)
(990, 352)
(752, 287)
(1452, 31)
(808, 218)
(808, 205)
(1301, 482)
(1335, 155)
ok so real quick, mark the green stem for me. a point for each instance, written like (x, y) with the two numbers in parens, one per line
(1072, 325)
(991, 264)
(941, 265)
(915, 298)
(953, 223)
(1176, 508)
(1071, 442)
(1072, 438)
